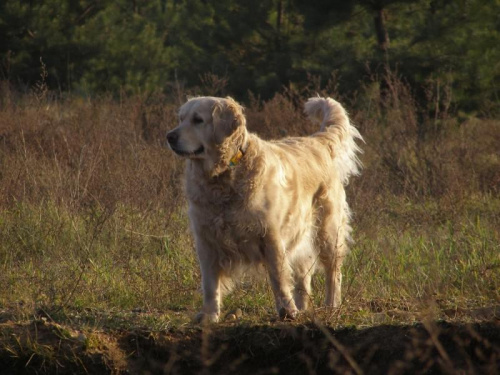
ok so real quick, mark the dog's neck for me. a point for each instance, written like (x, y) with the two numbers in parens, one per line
(240, 153)
(226, 157)
(230, 153)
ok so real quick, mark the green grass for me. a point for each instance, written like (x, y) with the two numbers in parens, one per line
(122, 260)
(455, 256)
(51, 256)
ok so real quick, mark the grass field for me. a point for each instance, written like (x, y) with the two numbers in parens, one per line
(98, 272)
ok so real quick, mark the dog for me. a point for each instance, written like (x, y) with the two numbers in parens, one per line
(276, 204)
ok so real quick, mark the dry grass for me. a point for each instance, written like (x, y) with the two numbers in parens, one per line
(93, 223)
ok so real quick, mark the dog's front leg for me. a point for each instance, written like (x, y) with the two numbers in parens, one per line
(210, 278)
(280, 278)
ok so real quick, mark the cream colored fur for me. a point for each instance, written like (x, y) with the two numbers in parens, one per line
(282, 206)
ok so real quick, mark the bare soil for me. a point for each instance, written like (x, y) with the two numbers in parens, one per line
(44, 347)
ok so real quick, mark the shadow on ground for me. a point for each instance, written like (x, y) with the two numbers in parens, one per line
(425, 348)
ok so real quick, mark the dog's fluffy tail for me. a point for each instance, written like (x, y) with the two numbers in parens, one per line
(334, 120)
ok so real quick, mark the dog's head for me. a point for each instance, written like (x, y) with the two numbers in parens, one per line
(208, 129)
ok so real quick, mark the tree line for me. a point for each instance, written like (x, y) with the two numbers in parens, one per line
(137, 46)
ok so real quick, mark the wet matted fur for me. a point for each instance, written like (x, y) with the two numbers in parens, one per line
(278, 204)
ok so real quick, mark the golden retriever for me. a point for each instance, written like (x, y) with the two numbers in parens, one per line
(280, 204)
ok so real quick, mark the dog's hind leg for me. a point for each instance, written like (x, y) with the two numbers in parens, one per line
(332, 240)
(302, 291)
(304, 266)
(333, 279)
(280, 277)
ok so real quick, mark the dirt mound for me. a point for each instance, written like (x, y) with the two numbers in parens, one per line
(45, 347)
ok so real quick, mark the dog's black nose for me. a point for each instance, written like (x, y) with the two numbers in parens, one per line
(172, 138)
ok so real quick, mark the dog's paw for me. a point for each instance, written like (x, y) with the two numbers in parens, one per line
(204, 318)
(288, 314)
(233, 315)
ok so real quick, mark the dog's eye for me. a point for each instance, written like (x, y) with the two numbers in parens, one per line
(197, 120)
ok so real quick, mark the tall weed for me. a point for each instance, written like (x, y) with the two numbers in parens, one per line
(92, 210)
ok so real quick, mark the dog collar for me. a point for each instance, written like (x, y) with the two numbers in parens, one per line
(236, 158)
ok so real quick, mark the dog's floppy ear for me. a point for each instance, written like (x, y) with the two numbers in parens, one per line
(227, 117)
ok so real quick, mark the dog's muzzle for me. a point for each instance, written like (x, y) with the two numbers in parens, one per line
(172, 139)
(173, 142)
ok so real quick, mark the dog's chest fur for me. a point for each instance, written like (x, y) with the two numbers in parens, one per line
(223, 217)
